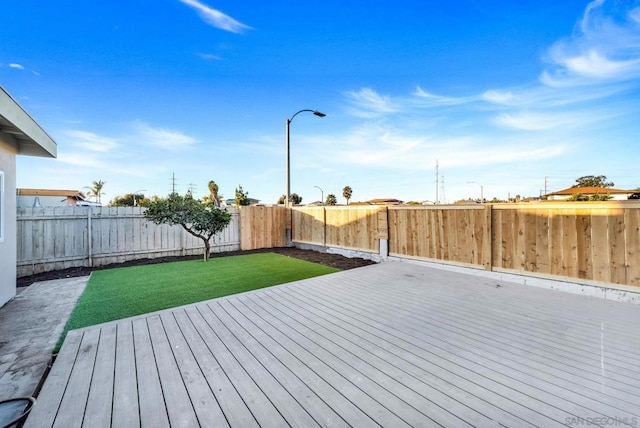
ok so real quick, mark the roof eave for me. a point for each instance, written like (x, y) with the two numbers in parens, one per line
(31, 139)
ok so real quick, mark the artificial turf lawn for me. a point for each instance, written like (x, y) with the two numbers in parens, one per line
(125, 292)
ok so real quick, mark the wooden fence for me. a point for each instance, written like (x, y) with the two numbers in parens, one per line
(353, 228)
(263, 227)
(459, 234)
(587, 241)
(54, 238)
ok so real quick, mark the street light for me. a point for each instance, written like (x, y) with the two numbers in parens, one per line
(135, 203)
(321, 194)
(288, 123)
(481, 190)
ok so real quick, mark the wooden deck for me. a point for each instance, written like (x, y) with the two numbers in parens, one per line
(392, 345)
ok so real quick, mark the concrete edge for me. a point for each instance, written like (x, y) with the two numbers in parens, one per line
(606, 292)
(347, 252)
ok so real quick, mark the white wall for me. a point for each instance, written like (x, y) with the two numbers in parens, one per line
(8, 245)
(27, 201)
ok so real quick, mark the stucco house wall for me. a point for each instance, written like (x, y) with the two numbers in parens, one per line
(8, 218)
(19, 135)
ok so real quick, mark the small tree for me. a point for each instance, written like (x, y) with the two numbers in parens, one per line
(347, 192)
(331, 199)
(213, 193)
(201, 220)
(295, 199)
(593, 181)
(242, 197)
(95, 189)
(130, 200)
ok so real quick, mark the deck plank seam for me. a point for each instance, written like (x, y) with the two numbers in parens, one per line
(241, 365)
(373, 367)
(220, 365)
(310, 368)
(403, 355)
(416, 377)
(472, 348)
(467, 370)
(453, 324)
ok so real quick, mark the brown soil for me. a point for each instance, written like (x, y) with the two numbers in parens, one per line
(334, 260)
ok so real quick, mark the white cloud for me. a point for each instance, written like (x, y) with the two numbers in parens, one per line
(604, 48)
(634, 15)
(16, 66)
(439, 100)
(536, 121)
(216, 18)
(167, 139)
(592, 64)
(91, 141)
(370, 104)
(498, 97)
(211, 57)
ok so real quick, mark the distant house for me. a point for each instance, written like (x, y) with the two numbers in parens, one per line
(616, 194)
(19, 135)
(27, 198)
(384, 201)
(232, 202)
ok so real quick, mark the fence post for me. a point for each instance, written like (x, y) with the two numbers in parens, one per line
(487, 241)
(324, 226)
(289, 227)
(90, 235)
(383, 232)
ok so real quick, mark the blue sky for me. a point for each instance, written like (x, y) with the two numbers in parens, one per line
(499, 93)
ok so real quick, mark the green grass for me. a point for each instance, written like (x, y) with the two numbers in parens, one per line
(125, 292)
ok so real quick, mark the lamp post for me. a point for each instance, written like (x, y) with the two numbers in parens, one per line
(321, 194)
(481, 190)
(135, 203)
(288, 123)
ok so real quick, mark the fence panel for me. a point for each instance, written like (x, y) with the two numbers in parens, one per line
(353, 227)
(263, 227)
(447, 233)
(308, 225)
(593, 241)
(54, 238)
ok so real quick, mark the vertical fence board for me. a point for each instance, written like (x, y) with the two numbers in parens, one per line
(617, 248)
(599, 252)
(632, 244)
(543, 262)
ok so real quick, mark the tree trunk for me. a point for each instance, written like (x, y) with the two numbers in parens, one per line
(207, 249)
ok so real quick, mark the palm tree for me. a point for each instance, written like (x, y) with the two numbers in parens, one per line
(213, 189)
(347, 192)
(95, 189)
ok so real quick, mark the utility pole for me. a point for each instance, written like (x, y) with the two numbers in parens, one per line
(545, 184)
(444, 198)
(173, 183)
(437, 182)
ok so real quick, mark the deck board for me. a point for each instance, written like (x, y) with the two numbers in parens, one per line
(394, 344)
(125, 386)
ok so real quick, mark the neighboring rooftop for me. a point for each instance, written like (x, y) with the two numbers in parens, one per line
(615, 194)
(51, 192)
